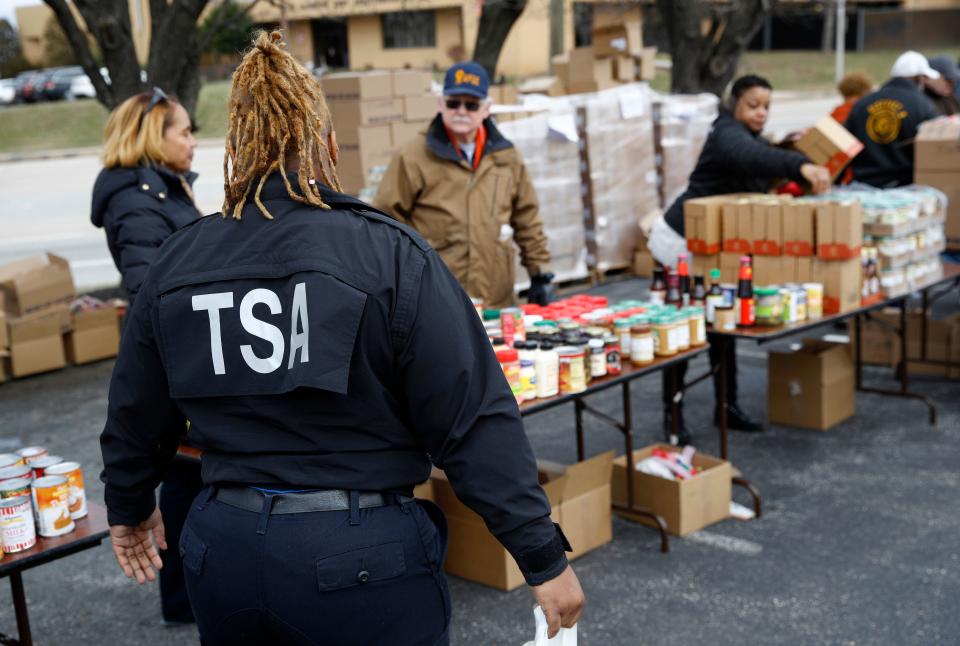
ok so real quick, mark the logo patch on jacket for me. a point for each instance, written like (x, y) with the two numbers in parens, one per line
(884, 118)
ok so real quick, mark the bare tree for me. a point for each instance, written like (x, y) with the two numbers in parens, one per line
(175, 45)
(496, 21)
(707, 39)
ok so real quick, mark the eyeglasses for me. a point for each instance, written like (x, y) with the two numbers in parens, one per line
(454, 104)
(157, 96)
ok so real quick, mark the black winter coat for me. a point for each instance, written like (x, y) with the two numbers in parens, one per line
(139, 208)
(734, 160)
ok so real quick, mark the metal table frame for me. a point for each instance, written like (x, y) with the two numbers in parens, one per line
(625, 426)
(89, 533)
(761, 335)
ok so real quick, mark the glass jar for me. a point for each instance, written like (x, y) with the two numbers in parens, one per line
(621, 327)
(611, 346)
(725, 319)
(573, 377)
(681, 323)
(598, 359)
(814, 292)
(698, 326)
(510, 363)
(664, 342)
(769, 306)
(641, 343)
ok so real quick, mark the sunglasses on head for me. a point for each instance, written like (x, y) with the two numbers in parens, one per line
(454, 104)
(157, 97)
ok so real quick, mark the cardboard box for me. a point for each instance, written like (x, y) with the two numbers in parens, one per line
(799, 224)
(949, 183)
(938, 145)
(355, 164)
(365, 137)
(402, 132)
(772, 270)
(643, 264)
(95, 335)
(4, 334)
(624, 69)
(586, 73)
(701, 222)
(842, 282)
(419, 108)
(766, 217)
(685, 505)
(798, 269)
(730, 267)
(737, 226)
(839, 230)
(358, 86)
(881, 343)
(701, 266)
(35, 282)
(36, 345)
(504, 94)
(813, 387)
(411, 82)
(580, 502)
(829, 144)
(349, 115)
(614, 35)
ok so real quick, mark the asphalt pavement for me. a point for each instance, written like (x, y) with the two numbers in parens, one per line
(857, 545)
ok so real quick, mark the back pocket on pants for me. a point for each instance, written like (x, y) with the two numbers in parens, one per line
(360, 566)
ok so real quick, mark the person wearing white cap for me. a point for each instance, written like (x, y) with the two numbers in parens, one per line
(887, 120)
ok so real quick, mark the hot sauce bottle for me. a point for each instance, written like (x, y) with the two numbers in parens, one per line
(747, 315)
(658, 288)
(683, 272)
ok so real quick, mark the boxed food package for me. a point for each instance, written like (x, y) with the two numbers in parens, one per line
(624, 69)
(812, 387)
(701, 223)
(36, 342)
(617, 31)
(737, 217)
(798, 269)
(410, 82)
(842, 284)
(372, 138)
(355, 165)
(643, 264)
(702, 265)
(799, 221)
(94, 335)
(685, 505)
(579, 497)
(937, 164)
(839, 230)
(349, 115)
(772, 270)
(422, 107)
(829, 144)
(358, 86)
(766, 217)
(35, 282)
(585, 72)
(402, 132)
(729, 267)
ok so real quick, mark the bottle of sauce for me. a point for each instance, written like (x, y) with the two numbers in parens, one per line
(698, 296)
(747, 310)
(683, 275)
(658, 288)
(673, 290)
(714, 296)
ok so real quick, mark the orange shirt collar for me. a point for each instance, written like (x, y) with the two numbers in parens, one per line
(481, 142)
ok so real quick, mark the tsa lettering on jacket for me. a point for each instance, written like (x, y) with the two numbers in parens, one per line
(243, 334)
(299, 327)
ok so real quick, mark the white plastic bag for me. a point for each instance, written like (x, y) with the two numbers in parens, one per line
(566, 636)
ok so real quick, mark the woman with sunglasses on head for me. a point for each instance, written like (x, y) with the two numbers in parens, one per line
(142, 195)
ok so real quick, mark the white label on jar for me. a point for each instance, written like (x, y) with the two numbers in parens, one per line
(713, 302)
(598, 364)
(701, 331)
(673, 339)
(625, 340)
(684, 335)
(643, 348)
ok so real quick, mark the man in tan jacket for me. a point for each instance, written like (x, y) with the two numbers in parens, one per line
(463, 186)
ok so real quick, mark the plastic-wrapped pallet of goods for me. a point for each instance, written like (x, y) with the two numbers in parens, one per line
(684, 121)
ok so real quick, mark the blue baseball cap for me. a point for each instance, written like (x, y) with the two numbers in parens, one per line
(466, 78)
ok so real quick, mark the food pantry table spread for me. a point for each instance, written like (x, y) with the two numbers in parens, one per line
(949, 281)
(629, 373)
(90, 532)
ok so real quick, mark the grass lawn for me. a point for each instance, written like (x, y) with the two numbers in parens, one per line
(51, 126)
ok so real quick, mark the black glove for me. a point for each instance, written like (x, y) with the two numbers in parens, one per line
(541, 289)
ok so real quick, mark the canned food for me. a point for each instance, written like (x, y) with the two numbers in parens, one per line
(77, 498)
(814, 293)
(16, 471)
(726, 319)
(51, 507)
(9, 460)
(31, 453)
(40, 464)
(16, 524)
(15, 488)
(729, 292)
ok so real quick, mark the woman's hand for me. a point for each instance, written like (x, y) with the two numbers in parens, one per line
(136, 547)
(818, 176)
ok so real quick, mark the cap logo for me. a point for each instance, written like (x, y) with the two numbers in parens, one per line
(460, 77)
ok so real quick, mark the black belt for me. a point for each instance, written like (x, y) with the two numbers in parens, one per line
(298, 503)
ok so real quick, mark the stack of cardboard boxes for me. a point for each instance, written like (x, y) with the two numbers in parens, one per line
(38, 333)
(616, 56)
(374, 113)
(937, 164)
(829, 144)
(791, 241)
(880, 344)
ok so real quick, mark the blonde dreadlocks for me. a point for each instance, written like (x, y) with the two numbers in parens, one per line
(276, 110)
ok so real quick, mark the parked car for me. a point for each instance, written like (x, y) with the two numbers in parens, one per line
(82, 88)
(59, 82)
(8, 91)
(26, 86)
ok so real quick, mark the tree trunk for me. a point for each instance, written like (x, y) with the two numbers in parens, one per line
(496, 21)
(706, 40)
(109, 22)
(829, 26)
(84, 56)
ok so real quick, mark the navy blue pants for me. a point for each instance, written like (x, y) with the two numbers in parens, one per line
(371, 576)
(181, 484)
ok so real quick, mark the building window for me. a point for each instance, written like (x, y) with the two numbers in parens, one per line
(404, 29)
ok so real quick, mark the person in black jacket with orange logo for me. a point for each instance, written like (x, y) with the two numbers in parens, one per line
(735, 159)
(142, 195)
(331, 359)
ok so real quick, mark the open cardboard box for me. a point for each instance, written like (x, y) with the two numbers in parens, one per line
(829, 144)
(579, 497)
(685, 505)
(812, 387)
(35, 282)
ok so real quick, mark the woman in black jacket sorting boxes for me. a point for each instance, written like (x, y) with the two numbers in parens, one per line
(735, 159)
(142, 195)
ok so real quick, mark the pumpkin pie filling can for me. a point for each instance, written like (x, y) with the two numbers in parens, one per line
(40, 465)
(32, 453)
(15, 488)
(16, 524)
(77, 498)
(15, 472)
(51, 495)
(9, 460)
